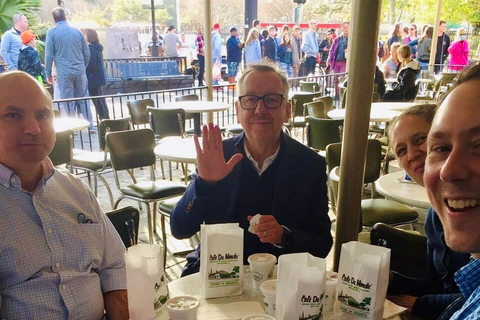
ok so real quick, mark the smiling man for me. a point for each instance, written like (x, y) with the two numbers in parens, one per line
(262, 171)
(452, 179)
(52, 265)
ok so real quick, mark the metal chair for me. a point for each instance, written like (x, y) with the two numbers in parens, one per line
(322, 132)
(98, 161)
(409, 250)
(62, 152)
(138, 110)
(373, 210)
(134, 149)
(167, 123)
(318, 108)
(309, 86)
(196, 116)
(298, 100)
(126, 221)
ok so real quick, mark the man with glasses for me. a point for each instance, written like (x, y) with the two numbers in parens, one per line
(262, 171)
(11, 42)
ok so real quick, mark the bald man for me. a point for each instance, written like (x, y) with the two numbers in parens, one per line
(61, 257)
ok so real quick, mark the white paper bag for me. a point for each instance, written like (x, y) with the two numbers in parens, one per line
(221, 260)
(362, 281)
(146, 283)
(300, 287)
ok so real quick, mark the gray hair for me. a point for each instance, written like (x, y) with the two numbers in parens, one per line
(264, 65)
(17, 17)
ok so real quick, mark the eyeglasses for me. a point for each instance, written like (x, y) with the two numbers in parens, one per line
(271, 101)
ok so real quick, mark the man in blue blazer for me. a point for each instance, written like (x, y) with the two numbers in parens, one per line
(262, 171)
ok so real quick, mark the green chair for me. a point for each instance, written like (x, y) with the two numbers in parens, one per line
(309, 86)
(98, 162)
(298, 100)
(138, 111)
(322, 132)
(126, 221)
(318, 108)
(134, 149)
(62, 152)
(373, 210)
(195, 116)
(408, 249)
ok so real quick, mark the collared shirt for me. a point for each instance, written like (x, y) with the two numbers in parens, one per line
(52, 265)
(310, 44)
(266, 163)
(468, 280)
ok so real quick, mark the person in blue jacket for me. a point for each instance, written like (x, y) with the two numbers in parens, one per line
(429, 296)
(262, 171)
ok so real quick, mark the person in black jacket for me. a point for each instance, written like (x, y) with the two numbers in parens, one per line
(404, 89)
(29, 59)
(96, 73)
(271, 45)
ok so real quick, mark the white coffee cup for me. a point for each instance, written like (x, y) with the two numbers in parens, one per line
(182, 308)
(258, 317)
(261, 266)
(269, 291)
(330, 290)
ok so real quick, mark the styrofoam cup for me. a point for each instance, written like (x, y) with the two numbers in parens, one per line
(269, 291)
(261, 266)
(330, 290)
(258, 317)
(182, 308)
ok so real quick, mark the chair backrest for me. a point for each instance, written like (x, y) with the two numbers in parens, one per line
(319, 107)
(322, 132)
(138, 110)
(309, 86)
(372, 164)
(120, 217)
(447, 77)
(408, 250)
(111, 125)
(187, 97)
(62, 152)
(376, 97)
(131, 149)
(167, 122)
(299, 100)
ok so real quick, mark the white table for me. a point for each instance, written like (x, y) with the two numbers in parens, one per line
(409, 193)
(376, 114)
(70, 123)
(178, 150)
(193, 107)
(397, 106)
(190, 285)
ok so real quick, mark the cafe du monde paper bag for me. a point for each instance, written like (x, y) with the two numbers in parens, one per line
(300, 287)
(146, 283)
(221, 260)
(362, 281)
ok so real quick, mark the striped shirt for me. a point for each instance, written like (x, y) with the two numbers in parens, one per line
(52, 265)
(468, 280)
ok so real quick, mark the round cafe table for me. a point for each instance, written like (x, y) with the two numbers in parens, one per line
(397, 106)
(177, 149)
(394, 186)
(376, 114)
(70, 123)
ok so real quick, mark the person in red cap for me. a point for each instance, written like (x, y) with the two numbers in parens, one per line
(216, 49)
(29, 59)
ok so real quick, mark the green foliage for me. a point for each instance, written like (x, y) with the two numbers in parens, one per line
(8, 8)
(132, 11)
(97, 15)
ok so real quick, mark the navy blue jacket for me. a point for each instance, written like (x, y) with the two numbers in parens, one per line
(300, 202)
(234, 52)
(438, 289)
(271, 49)
(95, 68)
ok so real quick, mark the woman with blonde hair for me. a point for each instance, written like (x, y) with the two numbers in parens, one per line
(392, 65)
(404, 88)
(253, 51)
(459, 51)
